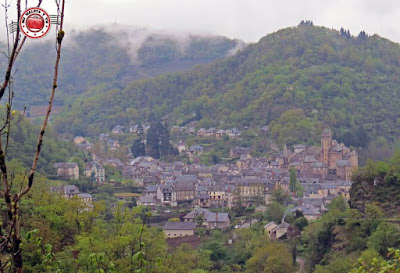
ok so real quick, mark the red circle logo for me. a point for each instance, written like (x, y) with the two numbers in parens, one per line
(34, 23)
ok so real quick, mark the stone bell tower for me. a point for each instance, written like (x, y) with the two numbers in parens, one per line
(326, 140)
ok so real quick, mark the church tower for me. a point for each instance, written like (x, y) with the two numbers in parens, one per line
(326, 140)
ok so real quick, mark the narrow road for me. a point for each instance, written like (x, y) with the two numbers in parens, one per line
(301, 263)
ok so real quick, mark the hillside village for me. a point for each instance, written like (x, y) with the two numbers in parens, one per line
(324, 172)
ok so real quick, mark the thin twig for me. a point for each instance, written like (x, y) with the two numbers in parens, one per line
(12, 57)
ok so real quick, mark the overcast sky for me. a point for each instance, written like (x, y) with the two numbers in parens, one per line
(248, 20)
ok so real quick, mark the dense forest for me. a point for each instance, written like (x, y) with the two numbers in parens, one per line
(97, 60)
(327, 77)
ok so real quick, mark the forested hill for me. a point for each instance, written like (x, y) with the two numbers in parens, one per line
(96, 60)
(328, 77)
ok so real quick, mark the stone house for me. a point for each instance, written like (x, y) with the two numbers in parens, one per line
(235, 132)
(185, 191)
(201, 132)
(179, 229)
(194, 150)
(147, 201)
(86, 197)
(218, 196)
(249, 190)
(220, 133)
(269, 227)
(210, 220)
(279, 231)
(167, 196)
(210, 132)
(202, 200)
(67, 192)
(95, 171)
(67, 171)
(309, 211)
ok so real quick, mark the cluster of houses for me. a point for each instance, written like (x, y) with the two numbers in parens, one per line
(324, 172)
(190, 130)
(84, 144)
(219, 133)
(70, 170)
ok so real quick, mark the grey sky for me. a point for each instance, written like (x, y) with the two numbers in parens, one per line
(244, 19)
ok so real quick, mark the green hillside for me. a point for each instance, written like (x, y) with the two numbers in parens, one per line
(328, 77)
(378, 183)
(22, 145)
(97, 60)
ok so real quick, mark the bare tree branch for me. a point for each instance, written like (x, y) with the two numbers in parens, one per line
(12, 57)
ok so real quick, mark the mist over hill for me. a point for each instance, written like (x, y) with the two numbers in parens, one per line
(109, 57)
(305, 76)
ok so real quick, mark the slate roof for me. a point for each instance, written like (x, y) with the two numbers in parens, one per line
(195, 148)
(270, 224)
(222, 217)
(309, 158)
(186, 179)
(85, 195)
(307, 209)
(69, 189)
(68, 165)
(342, 163)
(179, 226)
(147, 199)
(299, 146)
(283, 225)
(151, 188)
(208, 215)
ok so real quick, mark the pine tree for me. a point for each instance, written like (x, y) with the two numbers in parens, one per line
(165, 145)
(138, 148)
(153, 141)
(140, 131)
